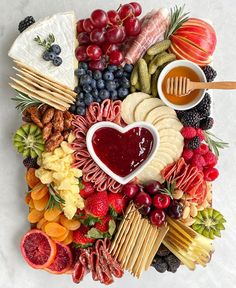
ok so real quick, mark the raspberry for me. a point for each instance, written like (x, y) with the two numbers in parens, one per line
(210, 159)
(187, 154)
(202, 149)
(188, 132)
(200, 134)
(198, 161)
(210, 174)
(194, 143)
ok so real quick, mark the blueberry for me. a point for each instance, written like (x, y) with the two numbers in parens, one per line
(112, 68)
(117, 81)
(113, 95)
(100, 84)
(126, 75)
(125, 83)
(98, 100)
(81, 96)
(79, 72)
(93, 84)
(57, 61)
(87, 88)
(94, 93)
(83, 65)
(122, 92)
(104, 94)
(72, 108)
(118, 73)
(97, 75)
(110, 85)
(85, 79)
(56, 49)
(128, 68)
(51, 55)
(108, 76)
(80, 103)
(46, 56)
(80, 110)
(77, 89)
(90, 73)
(88, 99)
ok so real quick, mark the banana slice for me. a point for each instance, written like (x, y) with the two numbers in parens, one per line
(166, 123)
(147, 105)
(160, 113)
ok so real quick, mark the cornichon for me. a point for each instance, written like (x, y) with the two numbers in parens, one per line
(159, 47)
(137, 86)
(132, 89)
(134, 75)
(153, 64)
(144, 79)
(160, 60)
(148, 58)
(154, 82)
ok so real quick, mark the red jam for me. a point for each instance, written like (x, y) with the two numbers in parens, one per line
(122, 153)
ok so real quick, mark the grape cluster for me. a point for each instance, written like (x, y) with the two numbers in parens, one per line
(95, 86)
(100, 36)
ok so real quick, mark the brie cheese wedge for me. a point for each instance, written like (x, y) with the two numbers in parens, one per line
(27, 51)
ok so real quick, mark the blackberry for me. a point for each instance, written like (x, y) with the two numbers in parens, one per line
(210, 73)
(173, 263)
(191, 118)
(30, 163)
(207, 123)
(163, 251)
(194, 143)
(29, 20)
(160, 264)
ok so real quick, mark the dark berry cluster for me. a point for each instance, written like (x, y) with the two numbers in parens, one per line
(52, 55)
(210, 73)
(95, 86)
(24, 24)
(30, 163)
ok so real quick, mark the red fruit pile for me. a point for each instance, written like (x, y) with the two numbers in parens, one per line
(197, 153)
(100, 36)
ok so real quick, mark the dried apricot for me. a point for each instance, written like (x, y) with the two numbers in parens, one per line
(68, 239)
(27, 198)
(34, 216)
(54, 229)
(41, 222)
(31, 203)
(63, 237)
(41, 203)
(43, 226)
(69, 224)
(31, 179)
(39, 192)
(51, 214)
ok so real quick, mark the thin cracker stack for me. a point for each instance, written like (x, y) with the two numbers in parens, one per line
(136, 242)
(41, 88)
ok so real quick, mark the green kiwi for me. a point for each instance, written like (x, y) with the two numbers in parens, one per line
(209, 223)
(28, 140)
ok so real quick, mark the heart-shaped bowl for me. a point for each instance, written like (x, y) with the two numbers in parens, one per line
(107, 170)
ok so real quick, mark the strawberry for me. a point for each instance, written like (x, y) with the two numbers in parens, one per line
(117, 203)
(80, 239)
(86, 190)
(103, 225)
(96, 205)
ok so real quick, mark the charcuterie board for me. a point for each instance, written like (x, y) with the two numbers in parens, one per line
(119, 170)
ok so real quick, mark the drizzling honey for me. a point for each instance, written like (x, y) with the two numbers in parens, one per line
(178, 72)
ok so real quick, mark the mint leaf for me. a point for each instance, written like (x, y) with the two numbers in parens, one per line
(112, 227)
(95, 234)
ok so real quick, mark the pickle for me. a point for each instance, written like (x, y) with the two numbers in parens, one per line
(153, 64)
(132, 89)
(137, 86)
(154, 82)
(165, 59)
(134, 75)
(147, 58)
(159, 47)
(144, 79)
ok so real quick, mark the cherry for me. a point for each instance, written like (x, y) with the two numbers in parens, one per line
(99, 18)
(132, 26)
(97, 36)
(153, 187)
(107, 48)
(137, 8)
(81, 54)
(126, 11)
(115, 34)
(88, 25)
(161, 201)
(83, 38)
(145, 210)
(157, 217)
(130, 190)
(79, 26)
(116, 57)
(94, 52)
(143, 199)
(175, 209)
(113, 17)
(97, 65)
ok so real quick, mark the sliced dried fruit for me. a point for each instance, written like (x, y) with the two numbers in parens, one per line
(27, 198)
(63, 237)
(69, 224)
(41, 223)
(31, 179)
(54, 229)
(35, 216)
(39, 192)
(68, 239)
(38, 250)
(41, 203)
(52, 214)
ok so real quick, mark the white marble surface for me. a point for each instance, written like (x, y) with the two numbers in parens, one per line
(14, 273)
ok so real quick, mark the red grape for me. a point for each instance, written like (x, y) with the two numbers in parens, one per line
(97, 36)
(137, 8)
(115, 34)
(79, 26)
(116, 57)
(126, 11)
(132, 26)
(107, 48)
(99, 18)
(94, 52)
(88, 25)
(97, 65)
(83, 38)
(113, 17)
(81, 54)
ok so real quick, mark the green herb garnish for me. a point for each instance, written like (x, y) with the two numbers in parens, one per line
(169, 190)
(55, 199)
(46, 43)
(215, 143)
(23, 101)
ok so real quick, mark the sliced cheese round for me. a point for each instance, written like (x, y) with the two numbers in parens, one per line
(160, 113)
(147, 105)
(164, 157)
(150, 173)
(170, 132)
(172, 123)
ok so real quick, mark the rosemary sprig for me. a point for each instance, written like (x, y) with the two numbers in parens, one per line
(169, 189)
(215, 143)
(55, 199)
(46, 43)
(177, 19)
(23, 101)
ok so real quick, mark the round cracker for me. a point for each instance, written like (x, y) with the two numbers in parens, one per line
(164, 157)
(172, 152)
(160, 113)
(169, 132)
(150, 173)
(144, 107)
(172, 123)
(129, 105)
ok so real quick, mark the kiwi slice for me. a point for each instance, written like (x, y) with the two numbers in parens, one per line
(209, 223)
(28, 140)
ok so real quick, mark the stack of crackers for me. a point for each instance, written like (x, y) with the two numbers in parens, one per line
(37, 86)
(136, 242)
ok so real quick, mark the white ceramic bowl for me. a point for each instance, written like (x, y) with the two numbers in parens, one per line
(169, 67)
(126, 179)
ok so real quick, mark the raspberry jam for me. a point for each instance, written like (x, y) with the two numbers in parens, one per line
(122, 153)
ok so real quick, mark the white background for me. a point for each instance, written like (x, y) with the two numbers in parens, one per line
(14, 273)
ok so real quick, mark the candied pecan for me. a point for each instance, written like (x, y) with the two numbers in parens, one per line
(26, 116)
(66, 134)
(42, 109)
(58, 121)
(52, 144)
(34, 114)
(67, 120)
(48, 115)
(47, 130)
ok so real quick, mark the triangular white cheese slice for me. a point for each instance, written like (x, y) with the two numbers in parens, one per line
(29, 53)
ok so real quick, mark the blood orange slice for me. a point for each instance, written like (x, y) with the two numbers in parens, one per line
(63, 260)
(38, 250)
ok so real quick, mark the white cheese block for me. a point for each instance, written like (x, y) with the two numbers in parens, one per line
(29, 53)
